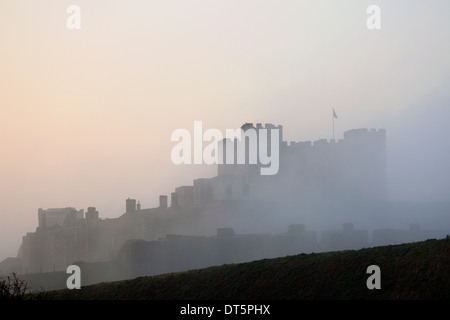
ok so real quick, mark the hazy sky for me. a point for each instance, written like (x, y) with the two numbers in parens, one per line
(86, 115)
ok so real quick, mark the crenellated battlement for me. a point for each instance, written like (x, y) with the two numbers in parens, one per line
(259, 126)
(364, 132)
(359, 136)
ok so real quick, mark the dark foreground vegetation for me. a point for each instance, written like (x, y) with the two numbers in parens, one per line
(409, 271)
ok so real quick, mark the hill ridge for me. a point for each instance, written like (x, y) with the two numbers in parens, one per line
(408, 271)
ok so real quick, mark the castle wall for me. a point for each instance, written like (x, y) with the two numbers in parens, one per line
(185, 195)
(202, 191)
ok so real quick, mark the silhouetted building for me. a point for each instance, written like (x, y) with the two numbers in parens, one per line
(130, 205)
(163, 201)
(185, 195)
(239, 209)
(58, 217)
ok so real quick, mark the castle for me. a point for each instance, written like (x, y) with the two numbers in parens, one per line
(316, 181)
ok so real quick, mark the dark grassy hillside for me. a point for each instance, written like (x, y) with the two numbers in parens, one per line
(409, 271)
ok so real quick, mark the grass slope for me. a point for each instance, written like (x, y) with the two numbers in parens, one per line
(408, 271)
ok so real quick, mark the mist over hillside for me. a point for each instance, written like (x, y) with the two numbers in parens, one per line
(408, 272)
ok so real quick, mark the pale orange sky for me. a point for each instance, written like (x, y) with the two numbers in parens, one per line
(86, 115)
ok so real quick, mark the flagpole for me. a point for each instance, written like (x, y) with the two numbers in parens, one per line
(334, 117)
(333, 123)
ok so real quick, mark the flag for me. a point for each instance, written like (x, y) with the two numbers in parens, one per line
(334, 114)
